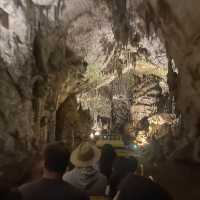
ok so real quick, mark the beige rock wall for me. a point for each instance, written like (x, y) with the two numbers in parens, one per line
(179, 25)
(38, 72)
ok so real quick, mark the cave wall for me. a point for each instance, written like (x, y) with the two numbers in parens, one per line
(178, 24)
(42, 48)
(43, 43)
(147, 96)
(45, 47)
(73, 123)
(38, 72)
(135, 97)
(126, 100)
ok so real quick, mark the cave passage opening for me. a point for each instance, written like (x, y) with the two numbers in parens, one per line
(73, 71)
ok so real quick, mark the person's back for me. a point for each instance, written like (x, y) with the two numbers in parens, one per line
(7, 193)
(84, 176)
(108, 156)
(121, 168)
(51, 189)
(136, 187)
(51, 186)
(87, 179)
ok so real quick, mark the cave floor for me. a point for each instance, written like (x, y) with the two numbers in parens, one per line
(180, 179)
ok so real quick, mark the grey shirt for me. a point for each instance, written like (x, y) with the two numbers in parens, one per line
(87, 179)
(51, 189)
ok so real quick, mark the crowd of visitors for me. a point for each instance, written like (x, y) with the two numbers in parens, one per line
(95, 173)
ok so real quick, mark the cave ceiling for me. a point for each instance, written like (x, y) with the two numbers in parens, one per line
(92, 29)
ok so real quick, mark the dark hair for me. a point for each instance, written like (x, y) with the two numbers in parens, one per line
(13, 195)
(132, 164)
(6, 193)
(141, 188)
(121, 168)
(56, 157)
(108, 155)
(108, 152)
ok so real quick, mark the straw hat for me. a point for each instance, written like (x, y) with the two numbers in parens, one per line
(85, 155)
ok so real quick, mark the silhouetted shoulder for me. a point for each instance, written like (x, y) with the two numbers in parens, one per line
(75, 193)
(29, 186)
(139, 187)
(51, 190)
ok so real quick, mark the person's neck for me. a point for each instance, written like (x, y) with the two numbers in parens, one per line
(52, 175)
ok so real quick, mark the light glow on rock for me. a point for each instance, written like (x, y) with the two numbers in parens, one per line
(97, 133)
(92, 136)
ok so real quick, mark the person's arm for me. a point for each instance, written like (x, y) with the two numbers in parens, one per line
(142, 169)
(116, 196)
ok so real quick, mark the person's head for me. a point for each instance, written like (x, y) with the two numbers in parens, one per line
(122, 166)
(85, 155)
(6, 193)
(107, 153)
(56, 158)
(141, 188)
(132, 164)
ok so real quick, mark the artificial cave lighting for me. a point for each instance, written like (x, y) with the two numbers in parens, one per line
(97, 133)
(92, 136)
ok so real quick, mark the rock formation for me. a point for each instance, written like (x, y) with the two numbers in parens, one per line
(73, 124)
(136, 95)
(177, 24)
(38, 72)
(47, 45)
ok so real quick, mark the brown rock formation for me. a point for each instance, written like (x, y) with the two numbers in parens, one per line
(178, 23)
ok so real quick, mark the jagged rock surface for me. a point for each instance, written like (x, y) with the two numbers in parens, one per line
(178, 24)
(73, 123)
(146, 98)
(43, 44)
(127, 100)
(38, 72)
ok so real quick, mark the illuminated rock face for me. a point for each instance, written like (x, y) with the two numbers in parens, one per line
(44, 2)
(178, 22)
(127, 101)
(73, 123)
(146, 98)
(40, 67)
(43, 43)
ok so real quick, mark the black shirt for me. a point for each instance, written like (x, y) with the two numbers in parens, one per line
(51, 189)
(141, 188)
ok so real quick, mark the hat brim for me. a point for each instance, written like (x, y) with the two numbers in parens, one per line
(78, 163)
